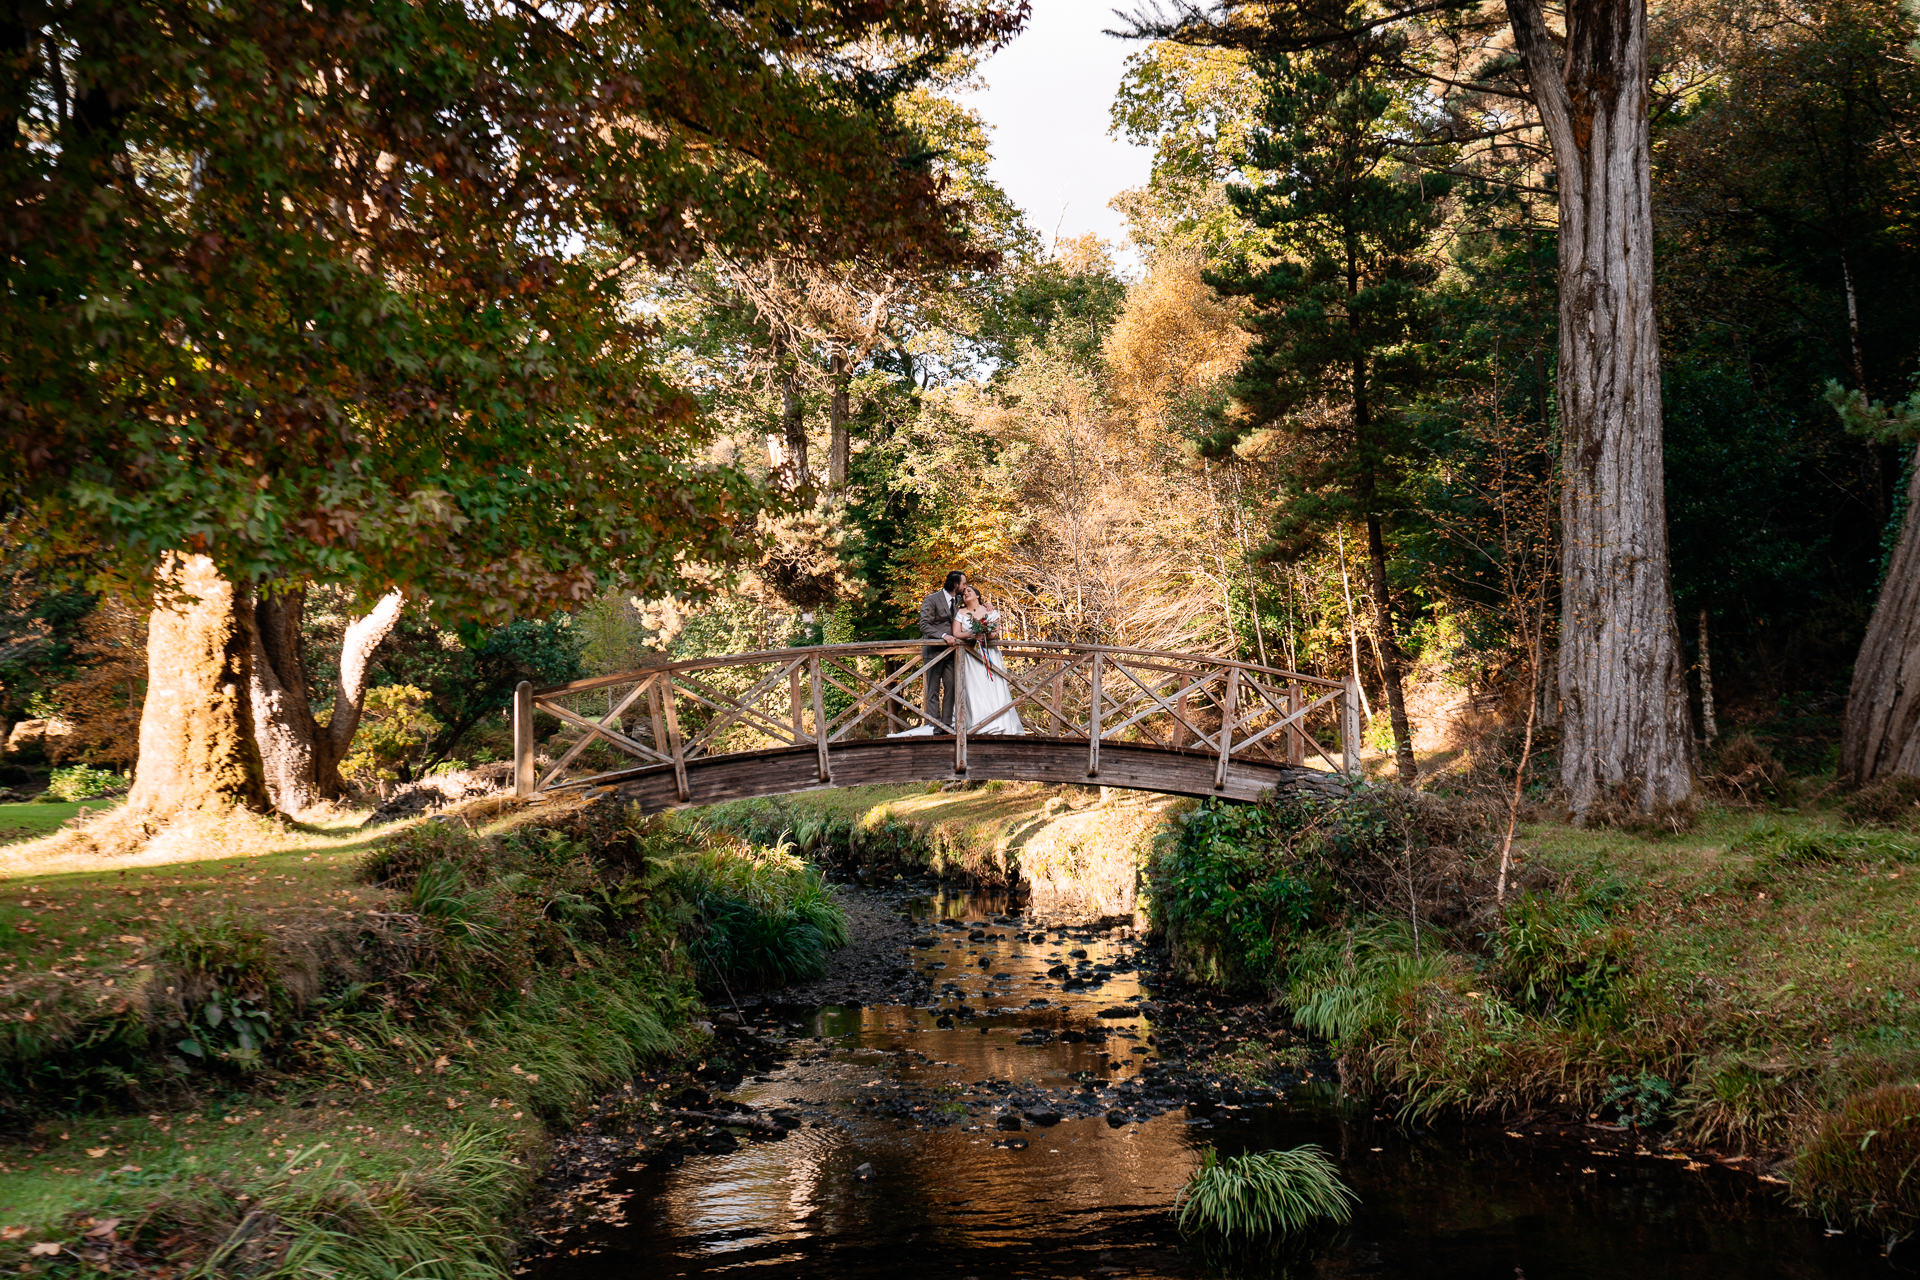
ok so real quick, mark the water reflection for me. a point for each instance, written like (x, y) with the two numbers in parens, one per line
(1085, 1199)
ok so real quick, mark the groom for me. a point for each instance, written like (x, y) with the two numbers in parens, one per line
(936, 628)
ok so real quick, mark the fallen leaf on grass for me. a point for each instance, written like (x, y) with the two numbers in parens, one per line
(12, 1233)
(103, 1228)
(441, 1063)
(133, 939)
(96, 1152)
(45, 1249)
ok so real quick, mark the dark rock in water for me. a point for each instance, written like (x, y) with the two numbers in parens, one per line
(1009, 1121)
(692, 1099)
(978, 935)
(864, 1171)
(1120, 1011)
(1012, 1144)
(718, 1143)
(944, 1021)
(1078, 953)
(1042, 1118)
(985, 961)
(1059, 971)
(927, 940)
(962, 1011)
(1073, 1037)
(1117, 1119)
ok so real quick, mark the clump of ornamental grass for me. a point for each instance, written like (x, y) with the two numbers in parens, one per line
(764, 916)
(1263, 1194)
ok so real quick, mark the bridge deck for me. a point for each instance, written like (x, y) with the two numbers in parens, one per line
(901, 760)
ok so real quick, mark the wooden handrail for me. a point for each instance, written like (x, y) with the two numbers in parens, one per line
(1133, 698)
(885, 647)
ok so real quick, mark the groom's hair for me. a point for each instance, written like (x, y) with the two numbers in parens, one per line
(954, 580)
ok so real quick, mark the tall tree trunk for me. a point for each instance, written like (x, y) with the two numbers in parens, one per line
(197, 751)
(1626, 732)
(793, 429)
(1882, 730)
(840, 443)
(302, 756)
(1392, 661)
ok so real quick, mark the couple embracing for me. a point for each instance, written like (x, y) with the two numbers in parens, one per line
(961, 630)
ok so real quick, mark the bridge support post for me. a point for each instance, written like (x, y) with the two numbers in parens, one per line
(1093, 720)
(675, 747)
(819, 718)
(1229, 708)
(1297, 736)
(523, 778)
(960, 655)
(1350, 727)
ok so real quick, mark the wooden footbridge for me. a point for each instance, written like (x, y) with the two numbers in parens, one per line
(760, 724)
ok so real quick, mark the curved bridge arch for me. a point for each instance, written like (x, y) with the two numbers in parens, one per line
(776, 722)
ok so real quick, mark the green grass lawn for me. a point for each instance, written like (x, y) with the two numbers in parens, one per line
(25, 821)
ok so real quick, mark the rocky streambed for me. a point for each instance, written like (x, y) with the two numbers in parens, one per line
(974, 1090)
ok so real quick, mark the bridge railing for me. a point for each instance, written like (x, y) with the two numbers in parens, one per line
(679, 713)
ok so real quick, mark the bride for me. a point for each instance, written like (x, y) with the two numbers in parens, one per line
(989, 698)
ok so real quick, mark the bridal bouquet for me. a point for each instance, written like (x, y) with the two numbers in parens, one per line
(984, 627)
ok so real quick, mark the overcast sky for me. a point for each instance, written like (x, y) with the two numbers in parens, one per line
(1046, 99)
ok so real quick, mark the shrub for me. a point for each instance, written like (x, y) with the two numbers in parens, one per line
(1227, 893)
(1263, 1193)
(1886, 802)
(394, 727)
(1858, 1166)
(82, 782)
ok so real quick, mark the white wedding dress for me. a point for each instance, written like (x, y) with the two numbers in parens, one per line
(989, 696)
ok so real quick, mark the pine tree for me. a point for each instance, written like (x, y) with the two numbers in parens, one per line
(1338, 307)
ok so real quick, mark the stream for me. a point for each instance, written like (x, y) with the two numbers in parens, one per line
(902, 1156)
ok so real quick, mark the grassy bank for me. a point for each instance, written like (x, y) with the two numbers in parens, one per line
(26, 821)
(344, 1058)
(1750, 985)
(1068, 844)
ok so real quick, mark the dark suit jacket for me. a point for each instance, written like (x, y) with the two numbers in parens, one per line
(936, 623)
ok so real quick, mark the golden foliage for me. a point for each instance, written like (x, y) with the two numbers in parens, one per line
(1175, 336)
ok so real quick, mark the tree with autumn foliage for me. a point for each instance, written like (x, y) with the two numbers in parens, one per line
(331, 292)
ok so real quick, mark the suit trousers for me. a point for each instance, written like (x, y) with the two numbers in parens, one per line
(938, 702)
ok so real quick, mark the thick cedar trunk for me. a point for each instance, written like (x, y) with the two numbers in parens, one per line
(1626, 733)
(1882, 731)
(1390, 656)
(196, 729)
(302, 756)
(840, 446)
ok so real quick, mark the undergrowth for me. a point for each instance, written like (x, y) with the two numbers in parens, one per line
(363, 1092)
(1752, 984)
